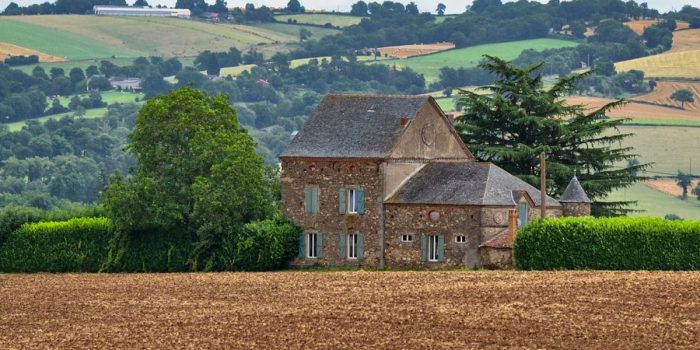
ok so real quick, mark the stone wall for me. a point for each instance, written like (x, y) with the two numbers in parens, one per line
(496, 258)
(329, 176)
(417, 220)
(577, 209)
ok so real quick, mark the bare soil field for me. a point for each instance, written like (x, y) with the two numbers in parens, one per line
(7, 49)
(405, 51)
(636, 110)
(639, 25)
(685, 40)
(669, 187)
(351, 310)
(664, 89)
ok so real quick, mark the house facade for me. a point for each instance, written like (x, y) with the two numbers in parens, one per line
(385, 181)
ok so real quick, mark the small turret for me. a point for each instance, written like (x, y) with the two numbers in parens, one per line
(575, 201)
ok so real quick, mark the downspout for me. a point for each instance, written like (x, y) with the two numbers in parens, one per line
(381, 216)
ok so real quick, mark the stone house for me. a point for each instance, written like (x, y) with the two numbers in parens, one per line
(385, 181)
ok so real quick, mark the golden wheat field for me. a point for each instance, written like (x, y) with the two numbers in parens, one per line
(684, 40)
(636, 111)
(683, 64)
(638, 26)
(7, 49)
(664, 89)
(351, 310)
(405, 51)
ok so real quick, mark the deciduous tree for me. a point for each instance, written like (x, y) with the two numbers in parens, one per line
(683, 96)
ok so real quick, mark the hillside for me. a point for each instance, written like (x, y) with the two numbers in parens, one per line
(664, 89)
(76, 37)
(682, 61)
(320, 19)
(639, 112)
(639, 25)
(654, 203)
(430, 65)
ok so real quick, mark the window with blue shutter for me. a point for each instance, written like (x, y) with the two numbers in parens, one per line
(360, 246)
(311, 200)
(522, 214)
(423, 248)
(441, 248)
(319, 245)
(302, 245)
(360, 201)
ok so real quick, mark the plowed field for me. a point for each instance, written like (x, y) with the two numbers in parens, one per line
(637, 110)
(685, 40)
(664, 90)
(639, 25)
(352, 310)
(405, 51)
(669, 186)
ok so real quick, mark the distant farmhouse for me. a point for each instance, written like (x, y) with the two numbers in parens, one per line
(121, 83)
(386, 181)
(140, 11)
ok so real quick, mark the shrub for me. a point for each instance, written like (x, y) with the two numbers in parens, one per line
(608, 244)
(76, 245)
(259, 246)
(152, 250)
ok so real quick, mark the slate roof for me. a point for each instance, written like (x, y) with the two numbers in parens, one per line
(354, 126)
(464, 183)
(574, 193)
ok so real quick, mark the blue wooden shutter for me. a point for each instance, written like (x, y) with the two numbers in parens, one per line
(441, 248)
(302, 245)
(423, 247)
(341, 200)
(316, 204)
(308, 205)
(360, 198)
(522, 212)
(319, 245)
(360, 245)
(341, 246)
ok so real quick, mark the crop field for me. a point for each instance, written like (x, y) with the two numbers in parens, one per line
(430, 65)
(350, 310)
(668, 186)
(638, 26)
(653, 203)
(77, 37)
(405, 51)
(683, 64)
(685, 40)
(321, 19)
(670, 148)
(664, 89)
(7, 50)
(641, 113)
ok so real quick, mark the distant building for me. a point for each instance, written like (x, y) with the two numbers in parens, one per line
(140, 11)
(122, 83)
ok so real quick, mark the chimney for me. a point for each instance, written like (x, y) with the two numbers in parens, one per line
(404, 121)
(512, 222)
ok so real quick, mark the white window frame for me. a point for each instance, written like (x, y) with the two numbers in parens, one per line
(461, 239)
(433, 243)
(311, 245)
(406, 238)
(352, 201)
(351, 245)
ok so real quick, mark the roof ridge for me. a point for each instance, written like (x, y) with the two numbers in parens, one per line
(358, 94)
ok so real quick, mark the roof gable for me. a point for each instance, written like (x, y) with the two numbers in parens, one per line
(354, 126)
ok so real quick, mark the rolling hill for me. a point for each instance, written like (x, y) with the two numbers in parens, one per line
(682, 61)
(77, 37)
(320, 19)
(430, 65)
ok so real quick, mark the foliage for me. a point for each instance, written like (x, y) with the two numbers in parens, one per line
(608, 244)
(197, 172)
(21, 60)
(684, 181)
(520, 119)
(259, 246)
(683, 96)
(149, 250)
(76, 245)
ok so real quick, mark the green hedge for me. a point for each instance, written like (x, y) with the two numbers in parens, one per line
(260, 246)
(76, 245)
(153, 250)
(608, 244)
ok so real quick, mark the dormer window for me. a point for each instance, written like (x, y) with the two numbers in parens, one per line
(372, 109)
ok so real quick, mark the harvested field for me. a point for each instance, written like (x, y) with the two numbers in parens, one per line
(7, 49)
(681, 64)
(685, 40)
(405, 51)
(349, 310)
(639, 25)
(664, 89)
(637, 110)
(668, 186)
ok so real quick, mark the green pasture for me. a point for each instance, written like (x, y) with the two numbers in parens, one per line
(670, 148)
(107, 96)
(290, 32)
(89, 114)
(440, 19)
(655, 203)
(321, 19)
(430, 65)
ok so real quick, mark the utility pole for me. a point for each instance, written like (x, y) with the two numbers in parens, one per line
(543, 186)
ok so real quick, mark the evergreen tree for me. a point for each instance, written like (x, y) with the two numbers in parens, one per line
(519, 119)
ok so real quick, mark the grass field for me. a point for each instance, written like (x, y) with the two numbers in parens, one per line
(670, 148)
(83, 37)
(89, 114)
(655, 203)
(684, 64)
(321, 19)
(440, 19)
(430, 65)
(108, 96)
(664, 89)
(233, 71)
(352, 310)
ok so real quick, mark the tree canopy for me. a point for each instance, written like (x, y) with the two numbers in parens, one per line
(518, 119)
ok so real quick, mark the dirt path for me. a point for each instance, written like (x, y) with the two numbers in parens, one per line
(351, 310)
